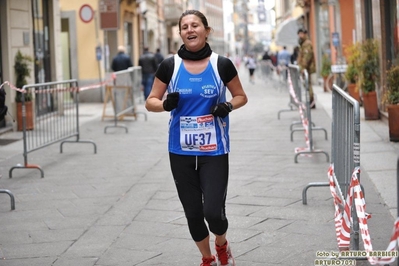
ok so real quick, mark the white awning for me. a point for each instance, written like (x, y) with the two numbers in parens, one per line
(286, 32)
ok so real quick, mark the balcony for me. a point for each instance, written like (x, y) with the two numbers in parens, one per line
(172, 11)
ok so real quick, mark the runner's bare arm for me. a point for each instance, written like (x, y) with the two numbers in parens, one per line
(154, 100)
(237, 92)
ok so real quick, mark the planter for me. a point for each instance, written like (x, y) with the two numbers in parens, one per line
(393, 122)
(354, 92)
(29, 116)
(370, 105)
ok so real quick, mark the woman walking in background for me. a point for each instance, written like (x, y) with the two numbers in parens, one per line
(251, 65)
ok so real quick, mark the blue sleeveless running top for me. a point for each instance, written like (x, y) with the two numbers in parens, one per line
(193, 130)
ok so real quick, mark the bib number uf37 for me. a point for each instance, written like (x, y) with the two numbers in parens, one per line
(197, 133)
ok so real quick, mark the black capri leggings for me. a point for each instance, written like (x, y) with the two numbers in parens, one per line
(201, 183)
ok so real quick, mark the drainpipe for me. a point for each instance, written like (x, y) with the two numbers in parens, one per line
(337, 28)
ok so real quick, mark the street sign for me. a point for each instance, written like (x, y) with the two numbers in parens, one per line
(98, 53)
(335, 39)
(109, 14)
(86, 13)
(338, 68)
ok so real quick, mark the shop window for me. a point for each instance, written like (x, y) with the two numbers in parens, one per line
(42, 53)
(323, 40)
(41, 41)
(368, 18)
(3, 122)
(128, 38)
(1, 62)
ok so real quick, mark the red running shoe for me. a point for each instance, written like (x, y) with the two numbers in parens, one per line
(209, 261)
(224, 256)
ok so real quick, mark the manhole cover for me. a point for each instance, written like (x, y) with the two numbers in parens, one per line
(4, 142)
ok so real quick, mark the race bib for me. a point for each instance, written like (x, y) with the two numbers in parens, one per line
(197, 133)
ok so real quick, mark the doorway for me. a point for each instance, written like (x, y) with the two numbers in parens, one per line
(3, 122)
(69, 46)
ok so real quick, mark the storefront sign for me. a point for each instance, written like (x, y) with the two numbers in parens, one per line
(109, 14)
(335, 39)
(339, 68)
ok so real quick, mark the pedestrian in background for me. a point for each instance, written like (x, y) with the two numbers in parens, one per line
(121, 61)
(273, 57)
(266, 56)
(251, 65)
(237, 61)
(196, 80)
(149, 66)
(294, 55)
(266, 64)
(283, 59)
(306, 60)
(159, 56)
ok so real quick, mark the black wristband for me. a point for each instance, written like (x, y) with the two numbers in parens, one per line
(229, 105)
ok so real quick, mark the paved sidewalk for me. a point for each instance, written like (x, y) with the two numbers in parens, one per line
(119, 207)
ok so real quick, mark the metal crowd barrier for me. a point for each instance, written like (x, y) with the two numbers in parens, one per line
(11, 197)
(6, 191)
(56, 118)
(345, 144)
(345, 148)
(304, 111)
(123, 94)
(294, 77)
(297, 84)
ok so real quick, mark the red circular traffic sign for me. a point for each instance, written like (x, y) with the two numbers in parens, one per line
(86, 13)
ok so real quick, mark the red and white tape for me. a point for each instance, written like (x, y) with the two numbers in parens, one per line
(11, 86)
(70, 89)
(343, 220)
(99, 85)
(304, 120)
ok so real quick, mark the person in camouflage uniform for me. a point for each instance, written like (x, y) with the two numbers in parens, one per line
(306, 59)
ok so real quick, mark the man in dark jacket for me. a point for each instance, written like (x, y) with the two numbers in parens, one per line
(149, 66)
(121, 61)
(3, 106)
(159, 56)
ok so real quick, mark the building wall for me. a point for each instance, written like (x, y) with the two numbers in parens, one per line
(86, 36)
(55, 29)
(229, 38)
(347, 9)
(16, 34)
(214, 14)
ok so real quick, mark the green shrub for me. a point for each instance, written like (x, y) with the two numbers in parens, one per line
(22, 71)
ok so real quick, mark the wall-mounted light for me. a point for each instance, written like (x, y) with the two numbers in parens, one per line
(303, 3)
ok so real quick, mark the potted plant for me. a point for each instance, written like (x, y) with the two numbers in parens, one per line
(22, 71)
(391, 98)
(352, 71)
(326, 71)
(369, 74)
